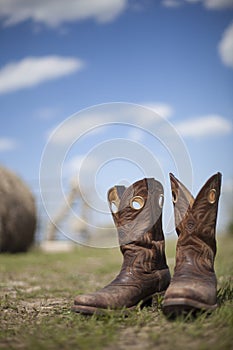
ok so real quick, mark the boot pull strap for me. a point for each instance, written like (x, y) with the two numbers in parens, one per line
(210, 192)
(180, 192)
(114, 196)
(182, 201)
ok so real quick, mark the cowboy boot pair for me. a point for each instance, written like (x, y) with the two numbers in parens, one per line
(137, 213)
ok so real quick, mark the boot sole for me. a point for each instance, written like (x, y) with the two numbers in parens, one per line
(183, 306)
(91, 310)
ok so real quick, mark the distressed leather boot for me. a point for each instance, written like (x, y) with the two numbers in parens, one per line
(137, 214)
(193, 286)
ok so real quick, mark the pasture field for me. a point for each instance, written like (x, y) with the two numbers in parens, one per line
(37, 291)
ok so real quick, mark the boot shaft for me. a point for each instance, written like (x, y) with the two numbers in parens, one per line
(195, 221)
(137, 214)
(137, 211)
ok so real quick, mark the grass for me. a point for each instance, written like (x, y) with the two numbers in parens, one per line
(37, 291)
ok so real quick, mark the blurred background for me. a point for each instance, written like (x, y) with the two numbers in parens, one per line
(61, 57)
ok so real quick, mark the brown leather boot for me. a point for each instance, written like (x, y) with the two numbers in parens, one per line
(193, 286)
(137, 213)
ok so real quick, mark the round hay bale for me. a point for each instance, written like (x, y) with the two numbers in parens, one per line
(17, 213)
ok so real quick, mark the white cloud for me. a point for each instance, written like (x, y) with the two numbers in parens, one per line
(32, 71)
(92, 122)
(171, 3)
(148, 119)
(55, 12)
(7, 144)
(209, 4)
(204, 126)
(225, 46)
(218, 4)
(162, 109)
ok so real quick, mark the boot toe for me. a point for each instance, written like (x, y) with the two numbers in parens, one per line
(99, 300)
(85, 299)
(193, 295)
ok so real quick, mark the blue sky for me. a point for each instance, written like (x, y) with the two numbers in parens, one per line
(174, 56)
